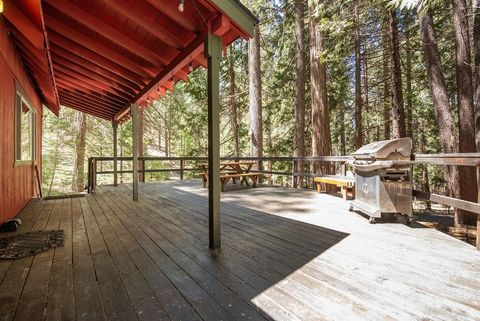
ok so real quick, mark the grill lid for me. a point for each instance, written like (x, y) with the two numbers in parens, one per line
(383, 149)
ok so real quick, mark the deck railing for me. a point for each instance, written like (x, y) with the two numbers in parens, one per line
(465, 159)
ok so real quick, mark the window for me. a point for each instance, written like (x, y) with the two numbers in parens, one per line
(25, 127)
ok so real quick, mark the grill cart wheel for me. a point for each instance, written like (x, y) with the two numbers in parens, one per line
(350, 209)
(372, 220)
(410, 220)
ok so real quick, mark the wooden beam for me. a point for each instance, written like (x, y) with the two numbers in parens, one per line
(97, 103)
(89, 68)
(193, 50)
(69, 79)
(59, 41)
(134, 109)
(238, 14)
(93, 110)
(139, 18)
(85, 93)
(213, 53)
(449, 201)
(221, 25)
(107, 31)
(23, 24)
(85, 75)
(170, 9)
(64, 88)
(97, 47)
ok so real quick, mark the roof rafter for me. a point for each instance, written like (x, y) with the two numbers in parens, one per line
(156, 30)
(189, 53)
(114, 35)
(99, 48)
(64, 43)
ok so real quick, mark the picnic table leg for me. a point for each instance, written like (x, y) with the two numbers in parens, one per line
(345, 192)
(353, 192)
(319, 187)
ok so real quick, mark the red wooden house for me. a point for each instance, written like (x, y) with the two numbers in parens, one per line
(104, 58)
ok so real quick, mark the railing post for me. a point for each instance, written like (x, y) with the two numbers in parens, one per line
(294, 178)
(343, 169)
(181, 169)
(478, 215)
(134, 112)
(115, 153)
(142, 171)
(89, 175)
(94, 177)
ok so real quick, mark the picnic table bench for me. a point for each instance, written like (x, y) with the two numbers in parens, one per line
(345, 183)
(231, 171)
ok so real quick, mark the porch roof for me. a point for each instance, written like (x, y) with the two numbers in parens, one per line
(100, 56)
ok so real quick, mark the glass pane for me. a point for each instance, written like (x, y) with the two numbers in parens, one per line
(25, 132)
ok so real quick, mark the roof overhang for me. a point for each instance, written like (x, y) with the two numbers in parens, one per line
(99, 57)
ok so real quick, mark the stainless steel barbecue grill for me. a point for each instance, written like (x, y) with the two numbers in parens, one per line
(381, 186)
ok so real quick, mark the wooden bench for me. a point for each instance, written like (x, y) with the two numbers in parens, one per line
(226, 177)
(204, 176)
(344, 182)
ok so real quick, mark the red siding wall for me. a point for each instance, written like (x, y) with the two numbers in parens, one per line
(16, 183)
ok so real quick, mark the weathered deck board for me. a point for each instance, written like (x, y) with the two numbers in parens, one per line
(286, 255)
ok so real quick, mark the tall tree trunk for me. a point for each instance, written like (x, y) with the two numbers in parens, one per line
(476, 48)
(425, 177)
(387, 97)
(233, 105)
(366, 102)
(255, 97)
(438, 91)
(467, 175)
(321, 136)
(408, 78)
(358, 84)
(78, 182)
(299, 144)
(398, 111)
(341, 120)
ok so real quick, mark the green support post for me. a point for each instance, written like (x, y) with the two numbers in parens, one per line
(134, 110)
(115, 153)
(213, 54)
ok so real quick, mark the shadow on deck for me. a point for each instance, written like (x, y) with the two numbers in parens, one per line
(286, 255)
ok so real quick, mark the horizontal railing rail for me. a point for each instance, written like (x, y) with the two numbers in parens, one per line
(454, 159)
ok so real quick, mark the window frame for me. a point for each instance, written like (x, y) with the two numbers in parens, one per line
(21, 97)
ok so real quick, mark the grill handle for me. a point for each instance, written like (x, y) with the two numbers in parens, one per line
(373, 166)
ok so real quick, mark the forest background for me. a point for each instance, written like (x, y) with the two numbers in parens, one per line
(318, 78)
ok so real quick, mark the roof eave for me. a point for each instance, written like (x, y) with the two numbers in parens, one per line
(239, 14)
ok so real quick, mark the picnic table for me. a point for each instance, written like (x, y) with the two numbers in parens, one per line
(231, 171)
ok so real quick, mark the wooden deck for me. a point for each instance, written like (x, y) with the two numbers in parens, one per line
(286, 255)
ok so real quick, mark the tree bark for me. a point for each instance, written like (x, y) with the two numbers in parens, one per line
(78, 182)
(341, 120)
(408, 78)
(255, 97)
(476, 50)
(463, 62)
(387, 98)
(438, 91)
(233, 105)
(398, 111)
(358, 85)
(321, 135)
(299, 143)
